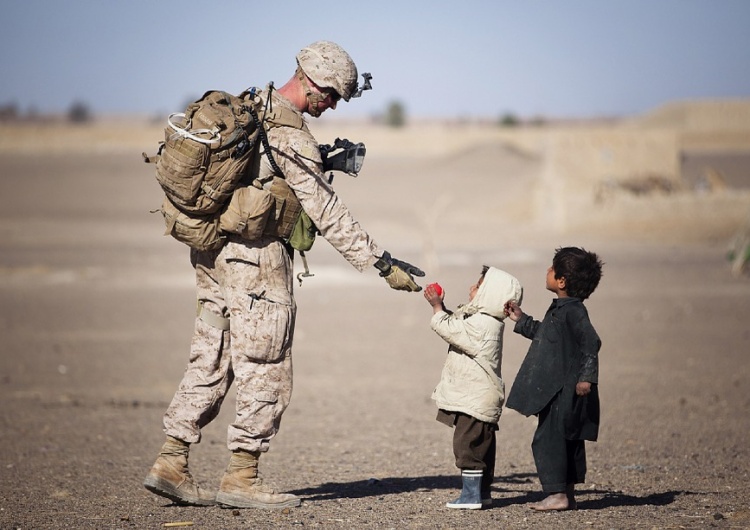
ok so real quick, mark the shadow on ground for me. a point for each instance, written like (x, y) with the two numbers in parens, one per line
(596, 499)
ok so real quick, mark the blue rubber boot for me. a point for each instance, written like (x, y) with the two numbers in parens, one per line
(471, 497)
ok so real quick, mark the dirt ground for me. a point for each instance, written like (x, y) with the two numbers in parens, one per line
(98, 307)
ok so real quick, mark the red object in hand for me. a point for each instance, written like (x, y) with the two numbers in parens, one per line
(438, 289)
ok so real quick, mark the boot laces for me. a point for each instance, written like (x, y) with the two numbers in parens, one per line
(263, 486)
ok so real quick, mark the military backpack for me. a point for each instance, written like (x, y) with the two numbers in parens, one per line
(206, 152)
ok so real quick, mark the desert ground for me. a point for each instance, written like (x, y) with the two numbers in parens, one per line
(98, 308)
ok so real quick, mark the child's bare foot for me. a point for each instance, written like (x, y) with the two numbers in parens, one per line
(554, 502)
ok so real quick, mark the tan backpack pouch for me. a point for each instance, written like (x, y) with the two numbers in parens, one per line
(247, 213)
(200, 233)
(181, 168)
(288, 209)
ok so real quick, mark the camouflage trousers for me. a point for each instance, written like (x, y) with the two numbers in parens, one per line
(250, 285)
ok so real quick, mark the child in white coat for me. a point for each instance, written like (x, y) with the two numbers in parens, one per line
(471, 392)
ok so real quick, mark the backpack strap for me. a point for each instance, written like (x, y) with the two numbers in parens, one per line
(272, 115)
(282, 117)
(267, 117)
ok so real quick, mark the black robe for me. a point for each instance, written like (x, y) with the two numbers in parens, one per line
(564, 351)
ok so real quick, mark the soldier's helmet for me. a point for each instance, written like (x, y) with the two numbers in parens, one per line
(329, 66)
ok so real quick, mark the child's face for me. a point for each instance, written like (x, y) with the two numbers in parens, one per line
(474, 288)
(556, 285)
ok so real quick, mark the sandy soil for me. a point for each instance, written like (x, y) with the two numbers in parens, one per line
(96, 317)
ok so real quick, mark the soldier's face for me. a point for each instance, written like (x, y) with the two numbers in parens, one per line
(330, 101)
(330, 98)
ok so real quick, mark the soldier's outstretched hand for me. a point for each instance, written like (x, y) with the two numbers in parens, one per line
(399, 274)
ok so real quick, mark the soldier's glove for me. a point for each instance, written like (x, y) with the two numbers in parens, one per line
(398, 274)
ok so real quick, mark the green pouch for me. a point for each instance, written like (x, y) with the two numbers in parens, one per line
(303, 234)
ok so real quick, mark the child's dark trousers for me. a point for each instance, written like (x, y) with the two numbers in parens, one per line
(474, 444)
(558, 461)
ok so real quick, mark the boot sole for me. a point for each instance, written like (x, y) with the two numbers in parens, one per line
(464, 506)
(166, 489)
(238, 501)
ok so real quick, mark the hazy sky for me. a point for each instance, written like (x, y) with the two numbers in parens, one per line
(459, 58)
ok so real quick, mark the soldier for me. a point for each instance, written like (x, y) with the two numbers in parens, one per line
(246, 319)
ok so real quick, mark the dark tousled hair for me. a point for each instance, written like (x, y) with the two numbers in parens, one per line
(581, 269)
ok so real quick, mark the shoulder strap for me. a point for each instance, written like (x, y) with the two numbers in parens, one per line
(264, 140)
(268, 117)
(282, 117)
(272, 115)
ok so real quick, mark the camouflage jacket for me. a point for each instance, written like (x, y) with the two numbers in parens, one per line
(296, 152)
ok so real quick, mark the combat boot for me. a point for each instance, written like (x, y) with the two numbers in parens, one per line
(470, 498)
(170, 477)
(241, 487)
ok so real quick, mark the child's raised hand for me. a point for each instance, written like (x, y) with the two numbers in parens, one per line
(434, 295)
(512, 310)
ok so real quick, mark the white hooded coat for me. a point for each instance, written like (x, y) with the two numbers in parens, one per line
(471, 379)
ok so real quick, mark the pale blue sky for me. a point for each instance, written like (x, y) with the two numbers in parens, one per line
(467, 58)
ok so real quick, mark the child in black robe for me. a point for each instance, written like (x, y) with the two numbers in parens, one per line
(558, 379)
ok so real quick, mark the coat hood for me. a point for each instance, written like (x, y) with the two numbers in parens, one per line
(497, 288)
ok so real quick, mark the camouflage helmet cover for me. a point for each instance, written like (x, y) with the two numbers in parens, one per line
(329, 66)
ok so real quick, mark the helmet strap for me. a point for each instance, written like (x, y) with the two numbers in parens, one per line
(313, 98)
